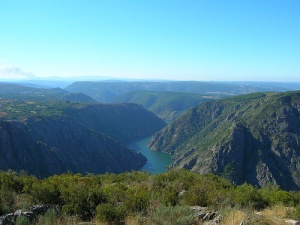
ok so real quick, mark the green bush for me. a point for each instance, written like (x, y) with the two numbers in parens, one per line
(248, 196)
(45, 192)
(137, 199)
(274, 195)
(197, 195)
(7, 200)
(81, 198)
(112, 214)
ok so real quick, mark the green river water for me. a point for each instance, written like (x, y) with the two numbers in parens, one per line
(157, 162)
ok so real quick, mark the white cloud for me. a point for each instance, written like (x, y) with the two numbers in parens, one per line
(13, 72)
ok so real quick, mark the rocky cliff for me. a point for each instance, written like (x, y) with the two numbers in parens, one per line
(252, 138)
(47, 146)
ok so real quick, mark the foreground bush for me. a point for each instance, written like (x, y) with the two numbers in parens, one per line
(112, 198)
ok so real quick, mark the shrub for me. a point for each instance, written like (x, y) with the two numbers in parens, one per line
(111, 214)
(169, 196)
(137, 199)
(274, 195)
(7, 200)
(45, 192)
(248, 196)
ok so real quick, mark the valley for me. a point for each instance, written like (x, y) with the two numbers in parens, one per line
(201, 116)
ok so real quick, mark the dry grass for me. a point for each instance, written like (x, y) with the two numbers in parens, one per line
(275, 215)
(52, 218)
(59, 221)
(132, 221)
(235, 217)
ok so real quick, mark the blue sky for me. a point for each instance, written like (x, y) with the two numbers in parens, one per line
(151, 39)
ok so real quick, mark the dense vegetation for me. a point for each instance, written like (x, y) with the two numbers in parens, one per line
(252, 138)
(136, 196)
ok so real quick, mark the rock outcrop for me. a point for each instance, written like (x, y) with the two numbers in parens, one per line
(34, 211)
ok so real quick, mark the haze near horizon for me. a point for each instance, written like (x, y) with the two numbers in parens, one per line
(171, 40)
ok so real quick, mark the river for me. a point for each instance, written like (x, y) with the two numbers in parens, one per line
(157, 162)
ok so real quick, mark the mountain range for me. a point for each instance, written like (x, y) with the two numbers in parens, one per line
(169, 99)
(104, 91)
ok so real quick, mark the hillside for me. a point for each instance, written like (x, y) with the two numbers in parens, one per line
(48, 146)
(166, 104)
(52, 137)
(252, 138)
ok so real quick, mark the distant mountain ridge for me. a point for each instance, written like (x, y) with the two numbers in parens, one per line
(251, 138)
(166, 104)
(169, 99)
(104, 91)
